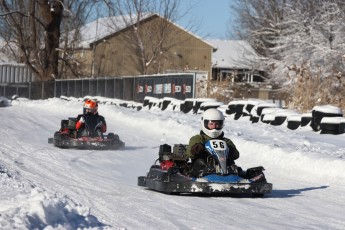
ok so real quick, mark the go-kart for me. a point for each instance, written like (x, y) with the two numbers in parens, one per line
(173, 173)
(69, 137)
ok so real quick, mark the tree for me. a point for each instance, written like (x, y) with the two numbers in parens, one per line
(31, 31)
(152, 44)
(80, 12)
(259, 22)
(301, 41)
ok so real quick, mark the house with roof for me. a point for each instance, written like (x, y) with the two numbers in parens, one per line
(121, 46)
(237, 60)
(236, 63)
(126, 47)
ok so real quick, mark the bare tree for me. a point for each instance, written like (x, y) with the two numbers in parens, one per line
(150, 44)
(31, 31)
(77, 13)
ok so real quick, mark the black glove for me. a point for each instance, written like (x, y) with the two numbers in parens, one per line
(234, 168)
(197, 149)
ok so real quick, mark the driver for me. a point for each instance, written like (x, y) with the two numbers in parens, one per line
(90, 123)
(212, 123)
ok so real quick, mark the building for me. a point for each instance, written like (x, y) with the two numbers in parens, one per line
(117, 46)
(237, 60)
(125, 47)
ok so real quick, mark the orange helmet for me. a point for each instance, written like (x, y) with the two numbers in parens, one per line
(90, 107)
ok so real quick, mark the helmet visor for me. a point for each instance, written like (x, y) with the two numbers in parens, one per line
(213, 124)
(89, 111)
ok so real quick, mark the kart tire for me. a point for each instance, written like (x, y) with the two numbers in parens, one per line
(112, 136)
(258, 195)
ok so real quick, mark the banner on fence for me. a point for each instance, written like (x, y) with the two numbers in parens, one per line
(180, 86)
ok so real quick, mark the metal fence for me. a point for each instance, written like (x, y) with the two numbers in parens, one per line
(30, 90)
(178, 86)
(15, 73)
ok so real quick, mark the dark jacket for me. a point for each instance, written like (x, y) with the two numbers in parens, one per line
(202, 138)
(92, 123)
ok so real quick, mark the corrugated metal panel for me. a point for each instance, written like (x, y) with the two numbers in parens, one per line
(12, 73)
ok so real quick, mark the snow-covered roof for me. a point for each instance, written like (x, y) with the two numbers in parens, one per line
(232, 54)
(103, 27)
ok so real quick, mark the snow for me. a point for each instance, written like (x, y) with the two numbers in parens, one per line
(307, 115)
(328, 109)
(44, 187)
(103, 27)
(268, 117)
(237, 102)
(211, 103)
(232, 54)
(4, 102)
(294, 117)
(255, 110)
(332, 120)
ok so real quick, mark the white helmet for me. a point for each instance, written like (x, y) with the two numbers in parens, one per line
(212, 115)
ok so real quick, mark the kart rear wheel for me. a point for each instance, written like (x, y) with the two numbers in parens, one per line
(258, 195)
(174, 193)
(112, 136)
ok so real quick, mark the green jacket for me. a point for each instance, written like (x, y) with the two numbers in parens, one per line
(202, 138)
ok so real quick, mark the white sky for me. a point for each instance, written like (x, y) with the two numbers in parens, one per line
(45, 187)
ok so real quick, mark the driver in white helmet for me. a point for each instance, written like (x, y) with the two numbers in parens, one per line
(212, 123)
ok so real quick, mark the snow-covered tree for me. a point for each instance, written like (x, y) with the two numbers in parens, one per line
(301, 40)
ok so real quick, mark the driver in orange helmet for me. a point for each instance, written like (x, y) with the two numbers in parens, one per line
(90, 123)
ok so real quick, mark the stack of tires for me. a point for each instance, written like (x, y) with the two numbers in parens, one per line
(326, 118)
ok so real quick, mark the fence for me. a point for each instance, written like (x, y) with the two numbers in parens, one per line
(178, 86)
(30, 90)
(15, 73)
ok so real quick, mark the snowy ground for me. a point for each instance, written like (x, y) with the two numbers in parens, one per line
(43, 187)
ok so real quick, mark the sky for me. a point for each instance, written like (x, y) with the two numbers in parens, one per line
(44, 187)
(213, 16)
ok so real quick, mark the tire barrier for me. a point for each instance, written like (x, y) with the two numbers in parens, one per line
(327, 119)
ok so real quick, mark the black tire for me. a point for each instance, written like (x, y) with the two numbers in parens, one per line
(112, 136)
(57, 136)
(173, 193)
(258, 195)
(57, 139)
(64, 124)
(237, 116)
(293, 125)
